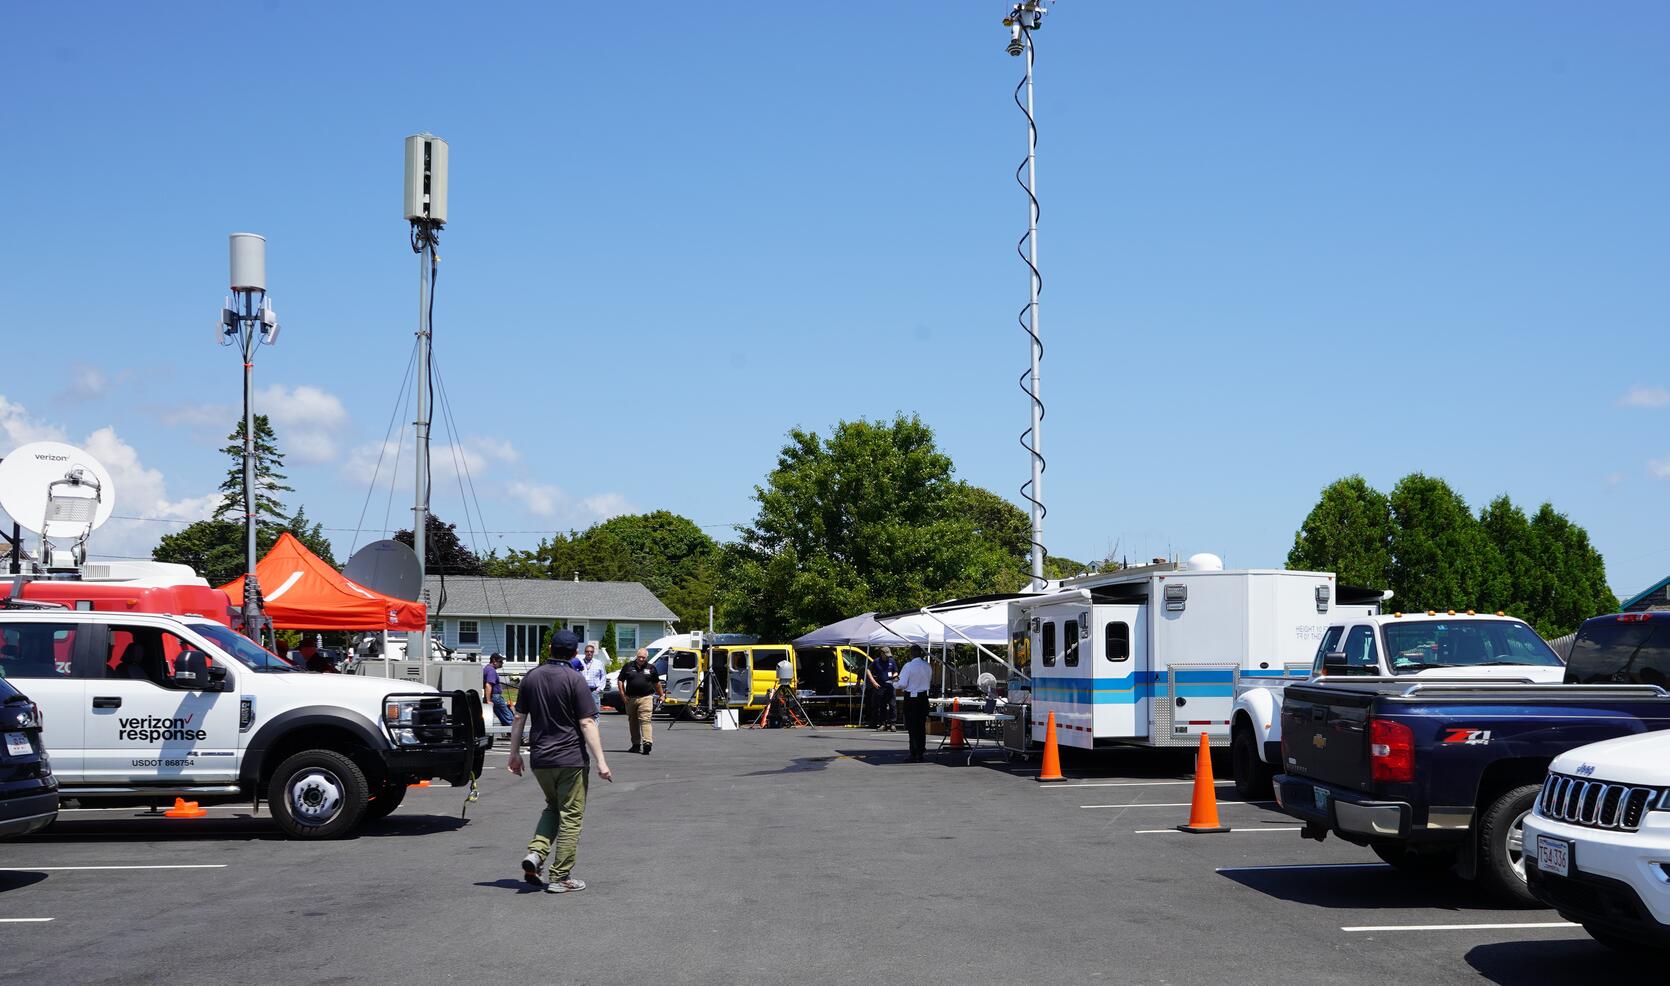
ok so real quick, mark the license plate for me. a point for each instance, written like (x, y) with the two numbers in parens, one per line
(1553, 856)
(17, 745)
(1321, 797)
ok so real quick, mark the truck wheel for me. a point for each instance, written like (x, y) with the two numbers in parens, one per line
(1253, 776)
(697, 713)
(1400, 858)
(1502, 846)
(387, 800)
(318, 794)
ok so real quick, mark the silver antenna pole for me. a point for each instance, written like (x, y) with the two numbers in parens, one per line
(426, 210)
(1024, 18)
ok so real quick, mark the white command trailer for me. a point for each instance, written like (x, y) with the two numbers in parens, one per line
(1151, 656)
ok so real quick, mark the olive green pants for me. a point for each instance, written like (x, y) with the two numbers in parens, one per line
(558, 832)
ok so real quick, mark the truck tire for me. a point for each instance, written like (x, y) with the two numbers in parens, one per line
(318, 794)
(697, 713)
(1502, 846)
(1398, 856)
(387, 800)
(1253, 777)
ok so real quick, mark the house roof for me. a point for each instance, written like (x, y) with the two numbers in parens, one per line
(1645, 599)
(548, 599)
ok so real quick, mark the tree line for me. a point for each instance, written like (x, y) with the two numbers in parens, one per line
(1425, 543)
(872, 516)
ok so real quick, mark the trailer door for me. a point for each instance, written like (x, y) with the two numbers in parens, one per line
(1119, 654)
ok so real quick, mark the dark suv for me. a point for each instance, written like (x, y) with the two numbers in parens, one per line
(28, 791)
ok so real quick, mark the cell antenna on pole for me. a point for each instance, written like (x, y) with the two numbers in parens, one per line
(1024, 19)
(248, 320)
(426, 210)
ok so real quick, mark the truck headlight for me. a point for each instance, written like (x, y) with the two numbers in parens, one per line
(397, 717)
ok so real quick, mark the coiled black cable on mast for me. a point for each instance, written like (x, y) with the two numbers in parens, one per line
(1025, 18)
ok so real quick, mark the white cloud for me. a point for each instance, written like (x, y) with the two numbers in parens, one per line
(309, 421)
(476, 457)
(546, 500)
(1646, 397)
(1659, 468)
(139, 491)
(1615, 480)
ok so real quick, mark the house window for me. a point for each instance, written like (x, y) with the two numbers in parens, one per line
(469, 632)
(626, 639)
(525, 641)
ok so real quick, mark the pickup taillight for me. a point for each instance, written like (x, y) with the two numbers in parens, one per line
(1391, 751)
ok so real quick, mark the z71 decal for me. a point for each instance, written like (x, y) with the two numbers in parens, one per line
(1471, 737)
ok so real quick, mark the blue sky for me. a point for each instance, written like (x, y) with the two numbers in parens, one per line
(1282, 243)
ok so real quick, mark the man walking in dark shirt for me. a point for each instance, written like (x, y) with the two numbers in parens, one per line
(639, 686)
(563, 742)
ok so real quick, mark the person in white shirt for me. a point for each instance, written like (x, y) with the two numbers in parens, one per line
(596, 670)
(914, 682)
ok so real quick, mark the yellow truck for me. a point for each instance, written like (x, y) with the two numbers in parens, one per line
(828, 678)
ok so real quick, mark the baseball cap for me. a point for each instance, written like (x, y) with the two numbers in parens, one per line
(564, 643)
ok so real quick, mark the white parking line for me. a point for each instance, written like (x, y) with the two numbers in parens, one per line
(25, 920)
(1303, 866)
(1461, 927)
(1259, 829)
(1177, 804)
(171, 866)
(1072, 787)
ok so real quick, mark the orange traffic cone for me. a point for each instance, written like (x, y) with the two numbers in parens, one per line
(185, 809)
(1052, 755)
(1203, 813)
(422, 783)
(955, 741)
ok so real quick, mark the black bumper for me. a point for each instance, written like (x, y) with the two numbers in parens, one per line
(456, 750)
(22, 814)
(1348, 814)
(1607, 904)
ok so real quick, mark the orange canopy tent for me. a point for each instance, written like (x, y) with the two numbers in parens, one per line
(300, 592)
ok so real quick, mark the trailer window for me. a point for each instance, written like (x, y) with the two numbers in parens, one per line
(1070, 643)
(684, 660)
(766, 660)
(739, 661)
(1049, 644)
(1116, 640)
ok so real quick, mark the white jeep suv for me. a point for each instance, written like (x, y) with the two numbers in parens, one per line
(1597, 842)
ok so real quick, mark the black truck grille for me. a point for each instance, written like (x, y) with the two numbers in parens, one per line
(1596, 804)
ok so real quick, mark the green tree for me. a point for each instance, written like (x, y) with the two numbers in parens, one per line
(215, 548)
(1349, 533)
(444, 553)
(1522, 581)
(1578, 588)
(1441, 558)
(609, 645)
(269, 482)
(869, 518)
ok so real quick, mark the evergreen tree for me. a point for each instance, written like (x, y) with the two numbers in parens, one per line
(444, 553)
(269, 482)
(1441, 558)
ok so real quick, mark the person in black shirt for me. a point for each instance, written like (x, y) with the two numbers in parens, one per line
(563, 746)
(639, 687)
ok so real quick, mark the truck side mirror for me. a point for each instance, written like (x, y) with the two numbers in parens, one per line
(191, 671)
(1335, 660)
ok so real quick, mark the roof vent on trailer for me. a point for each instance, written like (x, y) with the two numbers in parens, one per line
(1204, 562)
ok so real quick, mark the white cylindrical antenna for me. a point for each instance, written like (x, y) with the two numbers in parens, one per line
(426, 168)
(249, 262)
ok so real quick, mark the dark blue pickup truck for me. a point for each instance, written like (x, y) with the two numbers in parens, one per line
(1438, 775)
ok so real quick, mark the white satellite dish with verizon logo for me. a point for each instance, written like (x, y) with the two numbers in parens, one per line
(59, 492)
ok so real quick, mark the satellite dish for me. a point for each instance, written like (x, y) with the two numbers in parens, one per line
(388, 567)
(56, 490)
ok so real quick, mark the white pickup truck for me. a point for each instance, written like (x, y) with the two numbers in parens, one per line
(142, 708)
(1415, 646)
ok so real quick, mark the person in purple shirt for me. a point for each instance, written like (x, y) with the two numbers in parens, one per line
(495, 690)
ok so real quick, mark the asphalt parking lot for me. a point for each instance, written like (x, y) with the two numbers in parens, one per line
(813, 855)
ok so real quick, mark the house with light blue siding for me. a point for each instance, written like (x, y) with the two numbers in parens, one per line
(477, 615)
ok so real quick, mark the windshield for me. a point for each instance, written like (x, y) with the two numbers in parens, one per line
(1412, 647)
(246, 651)
(1611, 651)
